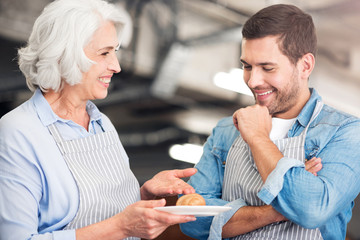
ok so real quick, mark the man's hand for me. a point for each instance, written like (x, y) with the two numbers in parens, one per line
(167, 183)
(313, 166)
(253, 122)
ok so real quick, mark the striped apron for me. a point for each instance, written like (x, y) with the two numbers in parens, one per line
(242, 180)
(105, 182)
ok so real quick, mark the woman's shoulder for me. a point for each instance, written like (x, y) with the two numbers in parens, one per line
(107, 124)
(19, 119)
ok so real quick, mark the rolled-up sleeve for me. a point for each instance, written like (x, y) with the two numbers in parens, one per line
(317, 201)
(220, 220)
(274, 182)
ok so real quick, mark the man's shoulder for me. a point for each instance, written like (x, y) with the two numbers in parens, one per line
(226, 122)
(336, 125)
(338, 117)
(225, 132)
(225, 126)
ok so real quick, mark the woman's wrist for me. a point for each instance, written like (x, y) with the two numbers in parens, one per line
(111, 229)
(145, 194)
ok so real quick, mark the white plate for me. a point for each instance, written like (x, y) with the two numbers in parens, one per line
(197, 211)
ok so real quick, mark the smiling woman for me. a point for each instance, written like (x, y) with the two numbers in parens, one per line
(102, 52)
(64, 172)
(55, 51)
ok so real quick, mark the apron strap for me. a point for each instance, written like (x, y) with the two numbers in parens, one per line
(54, 131)
(317, 110)
(57, 136)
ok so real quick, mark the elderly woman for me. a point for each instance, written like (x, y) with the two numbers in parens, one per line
(64, 173)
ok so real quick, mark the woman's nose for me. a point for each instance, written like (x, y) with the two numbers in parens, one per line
(114, 64)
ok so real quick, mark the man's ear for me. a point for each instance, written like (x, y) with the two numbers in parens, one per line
(306, 65)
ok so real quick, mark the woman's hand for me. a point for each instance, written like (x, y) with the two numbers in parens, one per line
(141, 220)
(137, 220)
(167, 183)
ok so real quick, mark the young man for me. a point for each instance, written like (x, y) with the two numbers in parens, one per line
(255, 161)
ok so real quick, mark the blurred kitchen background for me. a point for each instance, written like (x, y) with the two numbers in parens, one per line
(179, 59)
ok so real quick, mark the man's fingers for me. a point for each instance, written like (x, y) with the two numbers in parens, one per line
(313, 166)
(311, 163)
(317, 167)
(235, 121)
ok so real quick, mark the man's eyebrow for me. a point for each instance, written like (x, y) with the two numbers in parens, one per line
(266, 64)
(244, 62)
(258, 64)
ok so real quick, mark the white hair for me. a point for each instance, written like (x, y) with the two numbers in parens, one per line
(55, 50)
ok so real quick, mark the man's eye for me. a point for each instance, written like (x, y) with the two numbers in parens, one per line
(105, 53)
(246, 67)
(268, 69)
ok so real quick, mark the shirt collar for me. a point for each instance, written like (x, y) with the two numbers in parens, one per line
(47, 115)
(307, 111)
(94, 112)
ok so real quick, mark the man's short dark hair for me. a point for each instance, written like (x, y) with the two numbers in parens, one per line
(295, 29)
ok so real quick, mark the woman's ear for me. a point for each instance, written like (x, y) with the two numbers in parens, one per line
(306, 65)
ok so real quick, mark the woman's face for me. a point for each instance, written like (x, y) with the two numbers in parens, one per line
(102, 50)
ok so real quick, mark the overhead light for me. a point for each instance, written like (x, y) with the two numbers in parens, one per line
(232, 81)
(187, 152)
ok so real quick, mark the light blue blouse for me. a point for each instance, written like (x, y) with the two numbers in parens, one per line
(38, 195)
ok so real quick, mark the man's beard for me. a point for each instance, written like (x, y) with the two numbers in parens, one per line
(286, 98)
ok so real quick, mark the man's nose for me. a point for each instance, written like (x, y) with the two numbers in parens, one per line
(255, 79)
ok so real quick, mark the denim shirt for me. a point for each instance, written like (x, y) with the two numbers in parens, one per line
(324, 201)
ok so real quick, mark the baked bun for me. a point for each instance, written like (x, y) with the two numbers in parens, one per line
(193, 199)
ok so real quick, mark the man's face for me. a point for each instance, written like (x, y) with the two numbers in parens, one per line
(272, 78)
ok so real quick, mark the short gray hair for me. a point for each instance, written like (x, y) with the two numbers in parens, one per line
(54, 51)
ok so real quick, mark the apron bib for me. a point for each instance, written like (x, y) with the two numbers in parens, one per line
(242, 180)
(105, 182)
